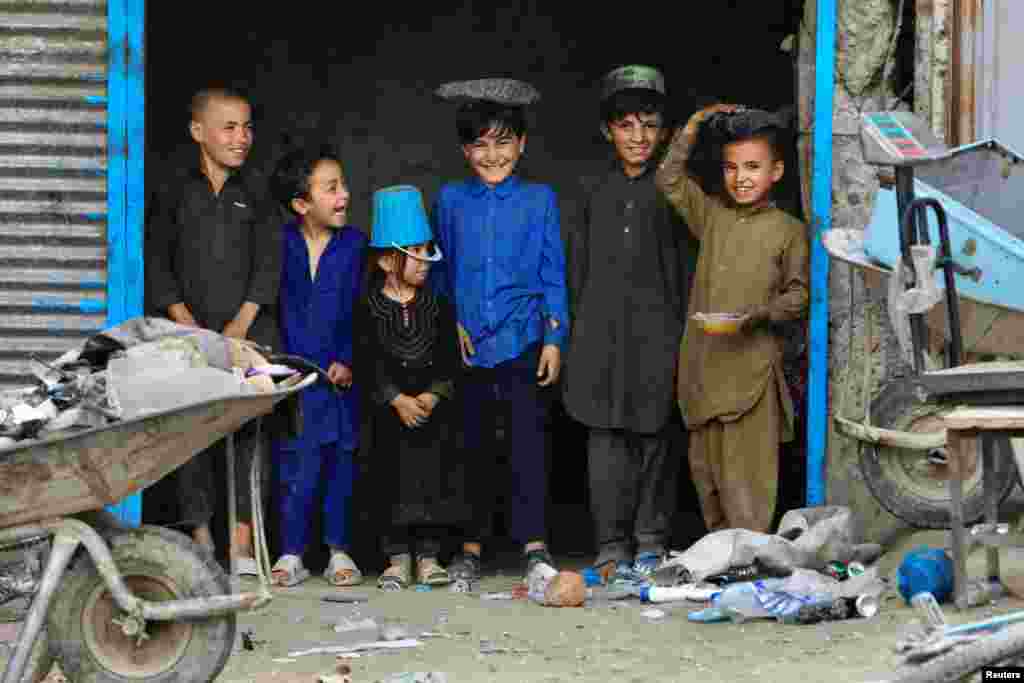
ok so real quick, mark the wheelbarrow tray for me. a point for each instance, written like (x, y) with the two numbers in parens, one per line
(93, 468)
(987, 327)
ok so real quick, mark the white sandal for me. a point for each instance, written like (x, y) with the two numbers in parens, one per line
(289, 571)
(342, 571)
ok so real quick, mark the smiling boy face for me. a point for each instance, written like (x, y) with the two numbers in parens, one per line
(635, 138)
(750, 171)
(493, 156)
(224, 131)
(326, 205)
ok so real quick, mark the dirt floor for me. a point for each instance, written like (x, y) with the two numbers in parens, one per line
(475, 640)
(601, 642)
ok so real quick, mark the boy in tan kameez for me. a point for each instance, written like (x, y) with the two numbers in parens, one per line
(753, 260)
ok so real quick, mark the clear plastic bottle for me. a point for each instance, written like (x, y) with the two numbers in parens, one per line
(741, 602)
(983, 591)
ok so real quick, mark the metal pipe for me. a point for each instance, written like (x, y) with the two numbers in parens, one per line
(200, 608)
(817, 389)
(913, 231)
(232, 512)
(64, 547)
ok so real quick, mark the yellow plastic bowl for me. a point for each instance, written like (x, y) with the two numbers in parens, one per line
(719, 323)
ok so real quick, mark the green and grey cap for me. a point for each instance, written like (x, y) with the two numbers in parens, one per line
(633, 76)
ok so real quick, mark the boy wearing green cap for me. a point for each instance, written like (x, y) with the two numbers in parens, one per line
(505, 268)
(407, 352)
(629, 259)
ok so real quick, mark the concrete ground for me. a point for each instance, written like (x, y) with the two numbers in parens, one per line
(604, 641)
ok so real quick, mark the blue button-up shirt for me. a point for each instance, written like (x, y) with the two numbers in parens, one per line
(316, 323)
(504, 265)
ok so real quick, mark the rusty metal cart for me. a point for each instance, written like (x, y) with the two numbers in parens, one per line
(116, 603)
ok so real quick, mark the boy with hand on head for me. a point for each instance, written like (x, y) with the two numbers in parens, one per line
(505, 271)
(629, 256)
(213, 261)
(753, 260)
(322, 270)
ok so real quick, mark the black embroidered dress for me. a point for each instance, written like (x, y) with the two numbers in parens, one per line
(410, 349)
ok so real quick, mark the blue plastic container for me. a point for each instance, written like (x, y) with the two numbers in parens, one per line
(926, 570)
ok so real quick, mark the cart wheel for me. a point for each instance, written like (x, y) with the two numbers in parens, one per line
(158, 565)
(912, 485)
(40, 661)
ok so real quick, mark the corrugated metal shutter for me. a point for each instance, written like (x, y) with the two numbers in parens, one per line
(53, 186)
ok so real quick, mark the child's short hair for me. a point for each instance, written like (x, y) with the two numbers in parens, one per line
(201, 100)
(752, 124)
(290, 179)
(632, 101)
(475, 119)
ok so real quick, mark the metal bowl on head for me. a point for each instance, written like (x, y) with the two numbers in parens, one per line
(716, 324)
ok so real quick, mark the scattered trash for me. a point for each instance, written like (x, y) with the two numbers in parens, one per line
(343, 675)
(487, 647)
(394, 630)
(359, 631)
(284, 660)
(249, 643)
(506, 595)
(364, 647)
(422, 588)
(807, 538)
(461, 586)
(419, 677)
(928, 570)
(653, 614)
(928, 609)
(984, 591)
(345, 597)
(688, 591)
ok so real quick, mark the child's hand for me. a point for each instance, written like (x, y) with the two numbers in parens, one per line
(428, 401)
(465, 344)
(550, 365)
(340, 375)
(707, 112)
(409, 410)
(754, 318)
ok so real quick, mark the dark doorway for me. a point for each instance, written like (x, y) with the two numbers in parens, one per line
(362, 79)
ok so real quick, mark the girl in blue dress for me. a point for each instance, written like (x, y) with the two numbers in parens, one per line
(321, 274)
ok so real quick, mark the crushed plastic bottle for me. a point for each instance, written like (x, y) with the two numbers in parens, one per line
(538, 579)
(984, 591)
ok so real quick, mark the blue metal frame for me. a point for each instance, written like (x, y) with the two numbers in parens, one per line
(125, 176)
(817, 389)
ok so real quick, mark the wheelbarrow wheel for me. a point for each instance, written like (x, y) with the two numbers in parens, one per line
(911, 484)
(157, 565)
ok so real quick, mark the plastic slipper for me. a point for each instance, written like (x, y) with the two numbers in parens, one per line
(342, 571)
(246, 566)
(430, 573)
(398, 575)
(288, 571)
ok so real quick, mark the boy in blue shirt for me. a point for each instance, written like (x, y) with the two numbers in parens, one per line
(505, 271)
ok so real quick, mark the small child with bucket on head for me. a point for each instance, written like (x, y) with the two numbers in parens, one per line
(407, 349)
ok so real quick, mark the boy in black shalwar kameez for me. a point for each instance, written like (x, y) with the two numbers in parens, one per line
(628, 257)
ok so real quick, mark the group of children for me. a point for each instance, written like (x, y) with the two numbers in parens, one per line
(444, 326)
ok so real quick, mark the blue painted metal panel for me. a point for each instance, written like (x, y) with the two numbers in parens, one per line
(125, 178)
(817, 389)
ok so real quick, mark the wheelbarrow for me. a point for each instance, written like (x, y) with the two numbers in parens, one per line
(116, 603)
(961, 204)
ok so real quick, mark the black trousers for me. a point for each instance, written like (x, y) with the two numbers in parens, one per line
(202, 480)
(632, 491)
(509, 389)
